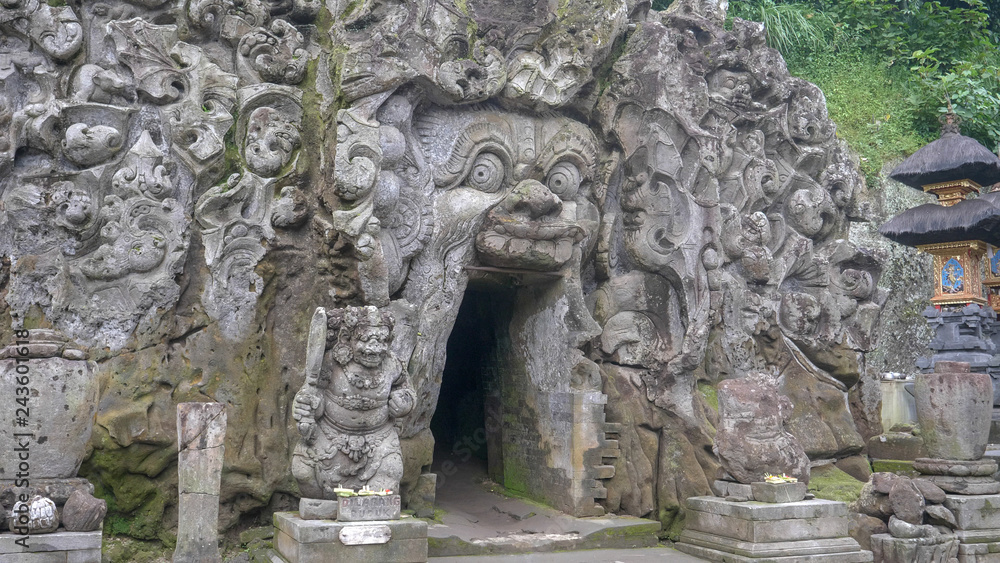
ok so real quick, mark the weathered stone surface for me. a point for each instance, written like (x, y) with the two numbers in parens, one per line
(423, 494)
(814, 530)
(59, 547)
(59, 490)
(956, 468)
(159, 207)
(931, 492)
(861, 527)
(201, 431)
(83, 513)
(856, 466)
(906, 501)
(751, 440)
(954, 410)
(900, 528)
(318, 509)
(316, 541)
(58, 412)
(965, 485)
(873, 503)
(778, 492)
(937, 514)
(882, 482)
(936, 549)
(980, 512)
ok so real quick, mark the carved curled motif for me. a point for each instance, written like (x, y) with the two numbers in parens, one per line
(274, 54)
(209, 14)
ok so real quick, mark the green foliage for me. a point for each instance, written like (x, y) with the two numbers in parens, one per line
(889, 68)
(789, 26)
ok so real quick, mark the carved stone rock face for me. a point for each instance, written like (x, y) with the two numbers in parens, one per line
(667, 207)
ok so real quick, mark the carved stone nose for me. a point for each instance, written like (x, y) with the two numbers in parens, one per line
(534, 199)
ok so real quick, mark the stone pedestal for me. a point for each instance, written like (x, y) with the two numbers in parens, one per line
(795, 532)
(58, 547)
(324, 541)
(978, 519)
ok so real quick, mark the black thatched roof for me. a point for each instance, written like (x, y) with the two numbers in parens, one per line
(952, 157)
(970, 219)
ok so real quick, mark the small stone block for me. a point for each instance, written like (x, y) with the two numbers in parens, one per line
(318, 509)
(975, 512)
(739, 492)
(965, 485)
(367, 508)
(778, 492)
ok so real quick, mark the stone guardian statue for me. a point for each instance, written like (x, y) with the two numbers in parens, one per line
(353, 391)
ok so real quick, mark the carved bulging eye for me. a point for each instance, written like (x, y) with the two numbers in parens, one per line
(487, 173)
(564, 180)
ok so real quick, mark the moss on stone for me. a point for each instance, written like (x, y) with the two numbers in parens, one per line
(897, 466)
(828, 482)
(710, 395)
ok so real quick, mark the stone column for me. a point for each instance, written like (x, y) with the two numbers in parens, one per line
(201, 430)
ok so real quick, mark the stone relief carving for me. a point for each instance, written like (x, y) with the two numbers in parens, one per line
(353, 391)
(681, 197)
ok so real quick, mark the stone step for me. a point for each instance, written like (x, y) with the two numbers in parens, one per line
(569, 534)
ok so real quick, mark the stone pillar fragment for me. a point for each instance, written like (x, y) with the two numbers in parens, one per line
(201, 431)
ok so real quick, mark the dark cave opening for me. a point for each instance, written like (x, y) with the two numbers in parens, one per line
(466, 423)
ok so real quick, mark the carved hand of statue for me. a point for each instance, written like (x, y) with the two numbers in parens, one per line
(401, 402)
(305, 409)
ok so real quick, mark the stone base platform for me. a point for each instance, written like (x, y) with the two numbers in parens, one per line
(323, 541)
(794, 532)
(58, 547)
(978, 518)
(941, 549)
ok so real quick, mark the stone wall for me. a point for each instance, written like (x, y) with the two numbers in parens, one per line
(184, 182)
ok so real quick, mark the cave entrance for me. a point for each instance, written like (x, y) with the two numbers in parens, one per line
(512, 406)
(466, 424)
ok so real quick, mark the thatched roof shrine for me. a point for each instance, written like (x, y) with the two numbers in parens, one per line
(952, 157)
(971, 219)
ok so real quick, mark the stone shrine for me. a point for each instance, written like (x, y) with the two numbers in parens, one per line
(755, 520)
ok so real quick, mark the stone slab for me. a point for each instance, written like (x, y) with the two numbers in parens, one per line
(714, 547)
(958, 468)
(972, 537)
(778, 492)
(318, 509)
(767, 530)
(975, 512)
(322, 541)
(368, 508)
(317, 531)
(60, 540)
(965, 485)
(815, 508)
